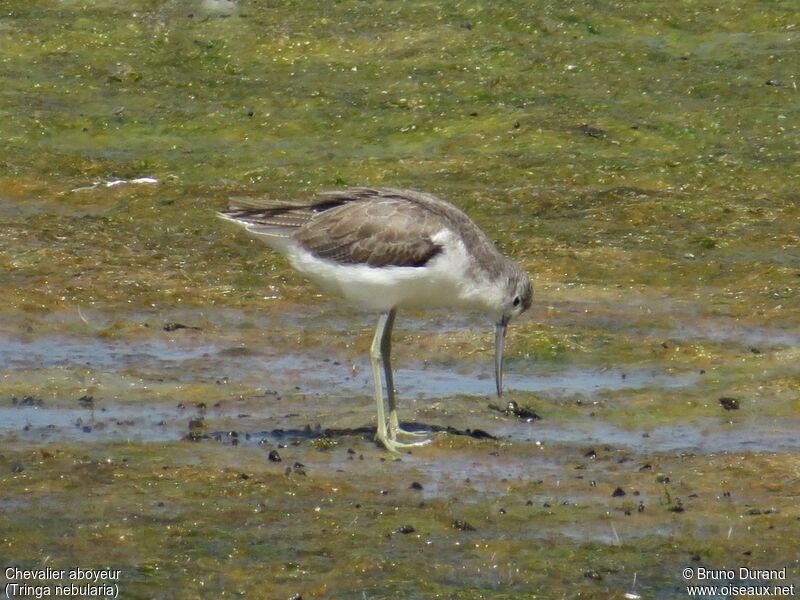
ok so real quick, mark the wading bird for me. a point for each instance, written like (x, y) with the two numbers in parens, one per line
(385, 249)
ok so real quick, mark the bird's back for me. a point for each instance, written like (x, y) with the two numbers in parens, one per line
(372, 226)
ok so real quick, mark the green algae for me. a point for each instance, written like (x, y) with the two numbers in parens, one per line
(185, 516)
(640, 161)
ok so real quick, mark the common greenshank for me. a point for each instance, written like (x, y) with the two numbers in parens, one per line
(384, 249)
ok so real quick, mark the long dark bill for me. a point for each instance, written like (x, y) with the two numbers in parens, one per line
(499, 344)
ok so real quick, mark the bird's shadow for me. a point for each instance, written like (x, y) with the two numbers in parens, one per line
(308, 433)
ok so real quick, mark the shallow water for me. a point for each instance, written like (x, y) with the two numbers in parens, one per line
(189, 361)
(161, 423)
(45, 352)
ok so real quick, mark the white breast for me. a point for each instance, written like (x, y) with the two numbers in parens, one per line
(443, 281)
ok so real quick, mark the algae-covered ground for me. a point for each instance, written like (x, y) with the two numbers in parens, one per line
(178, 405)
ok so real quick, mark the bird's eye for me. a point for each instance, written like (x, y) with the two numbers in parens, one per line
(516, 301)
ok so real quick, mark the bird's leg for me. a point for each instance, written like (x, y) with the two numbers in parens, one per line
(375, 358)
(386, 356)
(379, 352)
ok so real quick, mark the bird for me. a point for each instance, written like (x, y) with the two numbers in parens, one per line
(384, 249)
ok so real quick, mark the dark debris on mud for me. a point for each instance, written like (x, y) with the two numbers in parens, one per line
(282, 437)
(512, 409)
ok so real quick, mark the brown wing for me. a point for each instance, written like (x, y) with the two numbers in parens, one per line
(377, 232)
(274, 218)
(375, 227)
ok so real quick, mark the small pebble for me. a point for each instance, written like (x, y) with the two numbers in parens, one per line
(405, 529)
(462, 525)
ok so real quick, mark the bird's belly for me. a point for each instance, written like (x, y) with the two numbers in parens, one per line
(383, 288)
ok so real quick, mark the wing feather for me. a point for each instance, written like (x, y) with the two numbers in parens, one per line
(379, 233)
(375, 227)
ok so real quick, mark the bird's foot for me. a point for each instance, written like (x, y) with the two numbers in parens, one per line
(400, 431)
(395, 429)
(392, 445)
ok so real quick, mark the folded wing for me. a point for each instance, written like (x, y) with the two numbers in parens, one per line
(354, 227)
